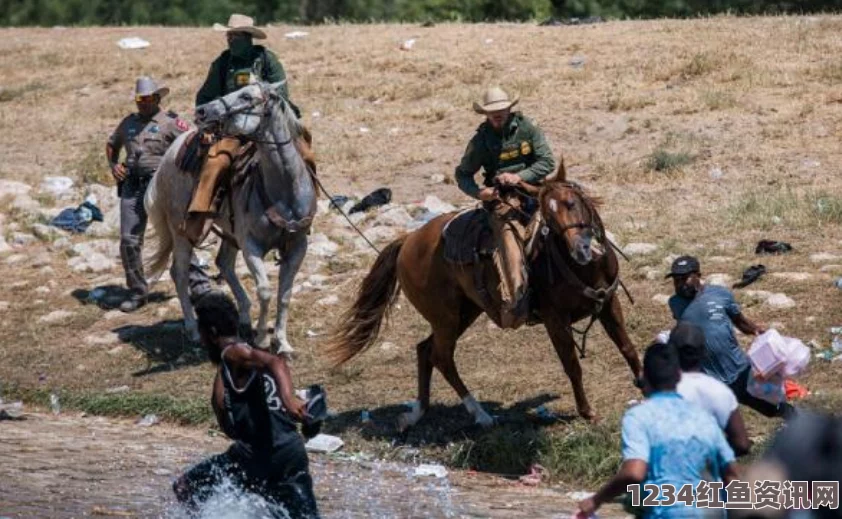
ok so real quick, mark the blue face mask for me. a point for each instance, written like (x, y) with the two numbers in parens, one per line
(240, 46)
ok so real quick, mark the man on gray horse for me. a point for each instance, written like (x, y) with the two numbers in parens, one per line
(145, 135)
(239, 65)
(511, 150)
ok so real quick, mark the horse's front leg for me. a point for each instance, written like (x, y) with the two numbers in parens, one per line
(179, 272)
(291, 262)
(563, 342)
(612, 320)
(253, 255)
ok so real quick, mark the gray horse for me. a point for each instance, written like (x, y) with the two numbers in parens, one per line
(272, 209)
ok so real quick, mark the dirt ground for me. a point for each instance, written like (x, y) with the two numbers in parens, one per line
(702, 136)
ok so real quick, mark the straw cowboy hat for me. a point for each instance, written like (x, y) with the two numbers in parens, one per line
(241, 23)
(145, 86)
(495, 99)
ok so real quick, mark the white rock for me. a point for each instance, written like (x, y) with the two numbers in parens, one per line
(94, 262)
(758, 295)
(793, 276)
(56, 316)
(437, 178)
(639, 249)
(393, 215)
(780, 301)
(26, 205)
(4, 247)
(387, 346)
(41, 260)
(105, 338)
(112, 314)
(16, 258)
(831, 268)
(318, 279)
(58, 187)
(47, 232)
(720, 259)
(433, 204)
(110, 248)
(329, 300)
(42, 290)
(320, 245)
(61, 244)
(13, 188)
(823, 257)
(652, 274)
(661, 298)
(324, 443)
(115, 350)
(719, 278)
(23, 239)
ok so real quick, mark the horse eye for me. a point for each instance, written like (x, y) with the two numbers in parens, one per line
(245, 97)
(570, 204)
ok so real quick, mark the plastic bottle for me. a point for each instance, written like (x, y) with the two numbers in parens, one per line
(54, 403)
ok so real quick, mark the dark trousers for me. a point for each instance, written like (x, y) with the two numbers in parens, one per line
(132, 230)
(739, 387)
(280, 477)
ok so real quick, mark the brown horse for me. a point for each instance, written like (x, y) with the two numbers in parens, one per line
(572, 278)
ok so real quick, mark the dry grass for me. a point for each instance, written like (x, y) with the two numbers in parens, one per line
(654, 108)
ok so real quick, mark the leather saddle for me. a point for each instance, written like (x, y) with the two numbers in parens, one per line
(468, 237)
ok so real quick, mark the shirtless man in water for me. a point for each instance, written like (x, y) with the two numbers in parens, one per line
(255, 406)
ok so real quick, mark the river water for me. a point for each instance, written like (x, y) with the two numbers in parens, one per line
(70, 466)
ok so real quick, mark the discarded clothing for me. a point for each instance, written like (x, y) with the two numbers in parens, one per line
(77, 220)
(772, 247)
(376, 198)
(794, 390)
(750, 275)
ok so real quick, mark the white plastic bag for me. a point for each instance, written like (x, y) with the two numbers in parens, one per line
(772, 353)
(770, 389)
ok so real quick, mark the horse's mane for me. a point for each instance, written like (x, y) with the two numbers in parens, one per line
(556, 186)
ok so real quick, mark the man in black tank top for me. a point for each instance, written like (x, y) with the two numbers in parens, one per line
(255, 406)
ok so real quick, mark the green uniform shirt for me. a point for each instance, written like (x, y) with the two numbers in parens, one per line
(229, 73)
(146, 139)
(520, 149)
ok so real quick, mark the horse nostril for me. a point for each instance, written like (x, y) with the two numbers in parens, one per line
(200, 113)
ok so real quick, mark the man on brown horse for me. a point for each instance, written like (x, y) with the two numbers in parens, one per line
(235, 68)
(512, 151)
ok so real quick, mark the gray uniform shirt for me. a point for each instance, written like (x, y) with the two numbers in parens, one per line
(146, 139)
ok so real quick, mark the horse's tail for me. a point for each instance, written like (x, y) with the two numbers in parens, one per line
(361, 324)
(156, 210)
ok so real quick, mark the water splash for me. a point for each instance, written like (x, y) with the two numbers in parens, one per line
(227, 500)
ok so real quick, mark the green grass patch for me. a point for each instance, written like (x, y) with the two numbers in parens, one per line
(8, 94)
(667, 161)
(587, 454)
(184, 411)
(786, 207)
(506, 449)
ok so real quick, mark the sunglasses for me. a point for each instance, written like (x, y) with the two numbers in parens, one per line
(145, 99)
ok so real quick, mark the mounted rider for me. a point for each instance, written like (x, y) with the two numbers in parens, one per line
(242, 63)
(512, 151)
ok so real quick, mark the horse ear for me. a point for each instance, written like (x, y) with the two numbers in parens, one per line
(561, 172)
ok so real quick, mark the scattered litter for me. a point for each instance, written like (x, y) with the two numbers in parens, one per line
(162, 472)
(365, 416)
(148, 420)
(794, 390)
(715, 173)
(838, 283)
(296, 35)
(324, 443)
(536, 474)
(772, 247)
(316, 115)
(408, 44)
(376, 198)
(555, 22)
(750, 275)
(577, 61)
(437, 178)
(11, 411)
(133, 43)
(810, 163)
(55, 405)
(77, 220)
(579, 495)
(489, 41)
(118, 389)
(826, 355)
(663, 337)
(633, 402)
(364, 129)
(434, 470)
(311, 334)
